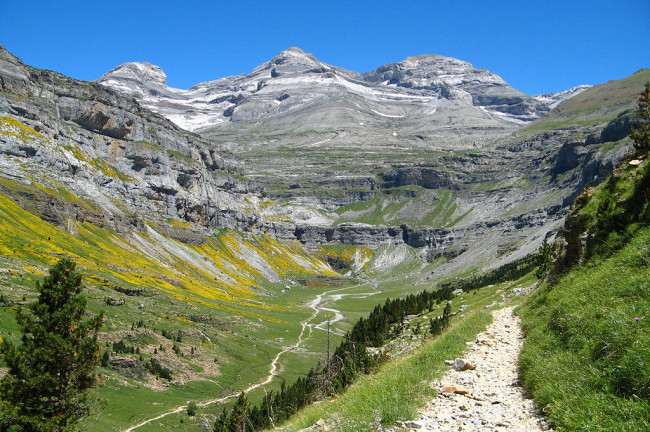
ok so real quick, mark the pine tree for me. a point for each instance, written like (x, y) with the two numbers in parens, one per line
(640, 133)
(240, 414)
(544, 259)
(447, 310)
(221, 423)
(50, 374)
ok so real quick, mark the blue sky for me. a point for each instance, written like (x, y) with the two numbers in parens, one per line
(537, 46)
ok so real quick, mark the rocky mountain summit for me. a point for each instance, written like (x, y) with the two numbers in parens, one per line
(455, 79)
(295, 79)
(139, 80)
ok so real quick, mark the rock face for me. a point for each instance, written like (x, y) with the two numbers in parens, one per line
(455, 79)
(118, 157)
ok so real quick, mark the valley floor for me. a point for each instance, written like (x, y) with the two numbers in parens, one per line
(488, 397)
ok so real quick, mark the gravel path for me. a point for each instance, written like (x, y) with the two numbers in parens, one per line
(493, 399)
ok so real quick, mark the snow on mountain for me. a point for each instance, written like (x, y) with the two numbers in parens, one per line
(554, 99)
(137, 79)
(295, 79)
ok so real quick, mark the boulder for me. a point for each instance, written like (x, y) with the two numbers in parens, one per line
(455, 388)
(462, 365)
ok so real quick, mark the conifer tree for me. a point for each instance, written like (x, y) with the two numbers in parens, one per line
(237, 419)
(51, 372)
(640, 133)
(544, 259)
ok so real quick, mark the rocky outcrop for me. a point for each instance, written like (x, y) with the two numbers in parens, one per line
(434, 239)
(428, 178)
(120, 159)
(455, 79)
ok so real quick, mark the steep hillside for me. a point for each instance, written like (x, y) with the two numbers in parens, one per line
(104, 148)
(214, 314)
(587, 352)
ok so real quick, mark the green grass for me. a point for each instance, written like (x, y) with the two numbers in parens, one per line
(149, 144)
(246, 334)
(398, 389)
(178, 154)
(586, 359)
(403, 385)
(131, 405)
(597, 105)
(411, 205)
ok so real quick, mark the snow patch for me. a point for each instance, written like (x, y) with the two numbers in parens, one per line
(388, 115)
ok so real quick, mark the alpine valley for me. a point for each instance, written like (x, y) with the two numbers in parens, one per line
(231, 231)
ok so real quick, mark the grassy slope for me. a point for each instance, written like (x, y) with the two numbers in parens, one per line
(403, 385)
(220, 288)
(410, 205)
(598, 104)
(586, 359)
(398, 389)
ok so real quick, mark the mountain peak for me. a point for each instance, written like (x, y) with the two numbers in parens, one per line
(295, 56)
(295, 50)
(136, 79)
(432, 58)
(142, 71)
(431, 71)
(444, 66)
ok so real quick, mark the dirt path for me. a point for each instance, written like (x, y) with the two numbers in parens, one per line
(317, 307)
(273, 370)
(494, 401)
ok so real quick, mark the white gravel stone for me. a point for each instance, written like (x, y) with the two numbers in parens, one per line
(494, 380)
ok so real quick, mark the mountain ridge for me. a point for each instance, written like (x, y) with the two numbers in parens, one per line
(418, 76)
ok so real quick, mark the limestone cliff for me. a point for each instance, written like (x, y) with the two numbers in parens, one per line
(104, 148)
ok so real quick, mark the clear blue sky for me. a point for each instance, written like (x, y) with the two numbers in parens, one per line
(537, 46)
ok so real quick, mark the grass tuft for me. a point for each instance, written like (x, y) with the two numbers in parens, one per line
(399, 388)
(586, 359)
